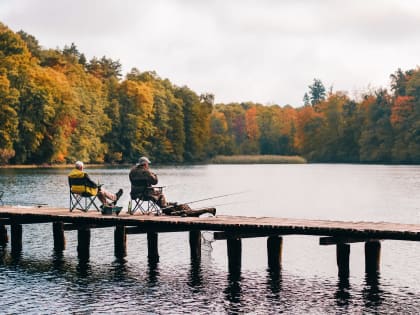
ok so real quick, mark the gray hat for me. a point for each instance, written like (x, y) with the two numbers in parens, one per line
(143, 160)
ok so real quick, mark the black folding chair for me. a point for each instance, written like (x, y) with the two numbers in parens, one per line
(145, 202)
(80, 197)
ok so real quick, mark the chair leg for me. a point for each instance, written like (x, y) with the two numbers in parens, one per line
(146, 206)
(82, 203)
(136, 205)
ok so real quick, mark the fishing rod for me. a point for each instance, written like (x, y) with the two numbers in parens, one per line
(31, 204)
(224, 204)
(194, 201)
(210, 198)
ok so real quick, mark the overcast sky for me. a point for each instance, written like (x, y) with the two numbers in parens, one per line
(265, 51)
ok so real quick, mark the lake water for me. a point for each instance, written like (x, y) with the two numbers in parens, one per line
(40, 281)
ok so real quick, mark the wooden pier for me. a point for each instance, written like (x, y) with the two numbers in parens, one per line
(230, 228)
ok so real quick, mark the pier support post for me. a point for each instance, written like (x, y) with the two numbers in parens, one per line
(58, 235)
(3, 235)
(234, 249)
(195, 245)
(372, 256)
(120, 241)
(152, 247)
(16, 236)
(343, 260)
(83, 243)
(274, 252)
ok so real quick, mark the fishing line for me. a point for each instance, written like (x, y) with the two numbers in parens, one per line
(221, 196)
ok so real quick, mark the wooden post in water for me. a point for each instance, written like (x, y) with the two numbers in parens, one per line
(120, 241)
(83, 242)
(343, 260)
(234, 249)
(3, 235)
(372, 256)
(274, 252)
(195, 245)
(58, 235)
(152, 247)
(16, 236)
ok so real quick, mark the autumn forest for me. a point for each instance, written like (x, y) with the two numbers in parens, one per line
(57, 107)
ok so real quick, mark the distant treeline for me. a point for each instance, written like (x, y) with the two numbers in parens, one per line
(58, 107)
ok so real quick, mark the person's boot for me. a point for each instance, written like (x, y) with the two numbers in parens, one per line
(118, 194)
(212, 211)
(197, 213)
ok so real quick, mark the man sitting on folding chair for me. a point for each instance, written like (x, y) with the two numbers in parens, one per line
(90, 188)
(142, 179)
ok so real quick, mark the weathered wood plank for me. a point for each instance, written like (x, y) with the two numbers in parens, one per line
(58, 235)
(83, 243)
(152, 247)
(120, 241)
(372, 256)
(225, 235)
(5, 221)
(77, 226)
(343, 240)
(343, 260)
(157, 229)
(232, 224)
(3, 235)
(234, 251)
(274, 252)
(195, 245)
(16, 236)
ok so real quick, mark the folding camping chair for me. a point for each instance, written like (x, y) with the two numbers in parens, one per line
(145, 202)
(80, 197)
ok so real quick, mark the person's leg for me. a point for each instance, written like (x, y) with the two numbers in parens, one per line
(159, 199)
(103, 195)
(185, 210)
(162, 201)
(197, 213)
(108, 195)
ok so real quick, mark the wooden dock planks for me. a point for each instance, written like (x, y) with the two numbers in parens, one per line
(260, 226)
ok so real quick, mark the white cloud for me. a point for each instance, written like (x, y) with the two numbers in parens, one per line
(264, 51)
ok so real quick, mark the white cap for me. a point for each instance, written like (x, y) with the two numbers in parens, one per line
(143, 160)
(79, 164)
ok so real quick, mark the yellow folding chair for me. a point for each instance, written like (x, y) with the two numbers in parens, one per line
(82, 194)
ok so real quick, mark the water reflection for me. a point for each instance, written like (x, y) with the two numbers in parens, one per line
(372, 293)
(342, 294)
(153, 271)
(274, 281)
(120, 269)
(103, 284)
(58, 261)
(16, 255)
(195, 276)
(233, 292)
(83, 268)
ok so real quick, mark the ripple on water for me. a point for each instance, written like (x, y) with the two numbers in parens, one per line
(39, 281)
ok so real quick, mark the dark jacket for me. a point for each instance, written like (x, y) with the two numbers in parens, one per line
(141, 179)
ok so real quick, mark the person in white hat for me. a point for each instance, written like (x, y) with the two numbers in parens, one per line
(93, 188)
